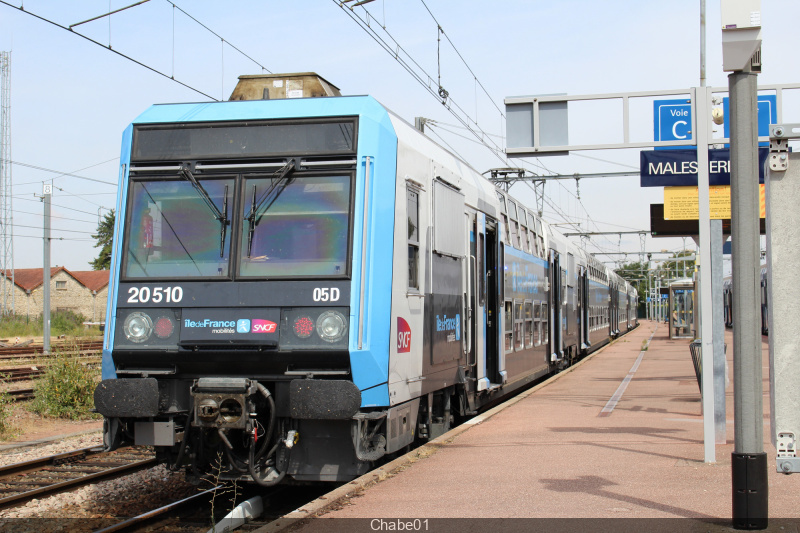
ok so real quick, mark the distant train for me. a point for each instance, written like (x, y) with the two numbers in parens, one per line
(300, 287)
(727, 301)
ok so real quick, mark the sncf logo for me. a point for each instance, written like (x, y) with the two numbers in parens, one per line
(264, 326)
(403, 336)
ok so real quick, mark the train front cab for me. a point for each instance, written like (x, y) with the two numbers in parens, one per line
(263, 347)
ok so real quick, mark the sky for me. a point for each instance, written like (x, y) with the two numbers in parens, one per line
(71, 99)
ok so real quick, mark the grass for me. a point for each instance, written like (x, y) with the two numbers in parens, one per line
(61, 323)
(6, 429)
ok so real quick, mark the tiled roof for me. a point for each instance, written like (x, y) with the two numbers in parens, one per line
(94, 280)
(29, 279)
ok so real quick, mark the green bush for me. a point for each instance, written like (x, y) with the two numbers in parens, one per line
(66, 390)
(5, 425)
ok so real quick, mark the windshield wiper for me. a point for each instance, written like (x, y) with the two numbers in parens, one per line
(221, 216)
(281, 179)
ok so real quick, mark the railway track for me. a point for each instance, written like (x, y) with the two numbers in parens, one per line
(83, 349)
(22, 482)
(19, 395)
(22, 373)
(192, 514)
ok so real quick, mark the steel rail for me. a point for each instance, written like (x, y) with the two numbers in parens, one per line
(57, 460)
(133, 524)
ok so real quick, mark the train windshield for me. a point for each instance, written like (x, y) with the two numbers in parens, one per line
(179, 228)
(295, 226)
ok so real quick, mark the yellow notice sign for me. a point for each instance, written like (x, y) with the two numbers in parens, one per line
(680, 203)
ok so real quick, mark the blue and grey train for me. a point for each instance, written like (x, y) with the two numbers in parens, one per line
(727, 300)
(301, 287)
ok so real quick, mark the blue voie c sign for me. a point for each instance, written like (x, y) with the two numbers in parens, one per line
(672, 120)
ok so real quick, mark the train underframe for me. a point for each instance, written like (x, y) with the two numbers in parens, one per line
(272, 431)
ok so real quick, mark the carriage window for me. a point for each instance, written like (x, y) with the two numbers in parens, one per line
(528, 324)
(518, 326)
(514, 225)
(523, 230)
(509, 327)
(537, 324)
(545, 324)
(295, 227)
(412, 203)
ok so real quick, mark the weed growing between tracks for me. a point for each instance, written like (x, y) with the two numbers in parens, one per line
(6, 429)
(226, 490)
(66, 390)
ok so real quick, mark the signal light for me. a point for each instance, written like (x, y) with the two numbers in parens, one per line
(164, 327)
(303, 327)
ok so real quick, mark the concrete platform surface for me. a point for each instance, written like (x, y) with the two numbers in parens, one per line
(562, 451)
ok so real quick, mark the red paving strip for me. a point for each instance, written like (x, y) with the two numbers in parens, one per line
(546, 454)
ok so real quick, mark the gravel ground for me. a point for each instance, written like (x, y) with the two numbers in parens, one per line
(110, 500)
(26, 453)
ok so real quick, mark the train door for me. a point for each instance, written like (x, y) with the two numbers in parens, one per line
(493, 299)
(470, 286)
(556, 307)
(612, 320)
(478, 284)
(583, 308)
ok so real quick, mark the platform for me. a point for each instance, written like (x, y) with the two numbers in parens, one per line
(565, 449)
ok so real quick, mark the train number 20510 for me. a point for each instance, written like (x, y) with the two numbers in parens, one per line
(143, 295)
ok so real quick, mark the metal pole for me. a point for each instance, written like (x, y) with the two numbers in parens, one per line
(749, 462)
(702, 43)
(701, 119)
(46, 271)
(718, 327)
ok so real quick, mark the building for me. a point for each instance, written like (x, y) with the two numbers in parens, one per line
(84, 292)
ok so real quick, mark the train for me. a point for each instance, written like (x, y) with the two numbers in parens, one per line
(727, 300)
(305, 285)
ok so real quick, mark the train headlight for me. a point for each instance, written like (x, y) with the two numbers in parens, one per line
(331, 326)
(312, 328)
(138, 327)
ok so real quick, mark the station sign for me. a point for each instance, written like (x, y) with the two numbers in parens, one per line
(659, 227)
(678, 168)
(672, 119)
(681, 203)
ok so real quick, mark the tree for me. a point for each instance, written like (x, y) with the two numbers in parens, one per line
(104, 237)
(677, 265)
(636, 275)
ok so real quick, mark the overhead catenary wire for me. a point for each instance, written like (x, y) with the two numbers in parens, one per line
(136, 61)
(482, 139)
(56, 216)
(61, 173)
(58, 205)
(98, 43)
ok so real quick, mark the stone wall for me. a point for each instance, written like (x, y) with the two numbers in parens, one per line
(66, 293)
